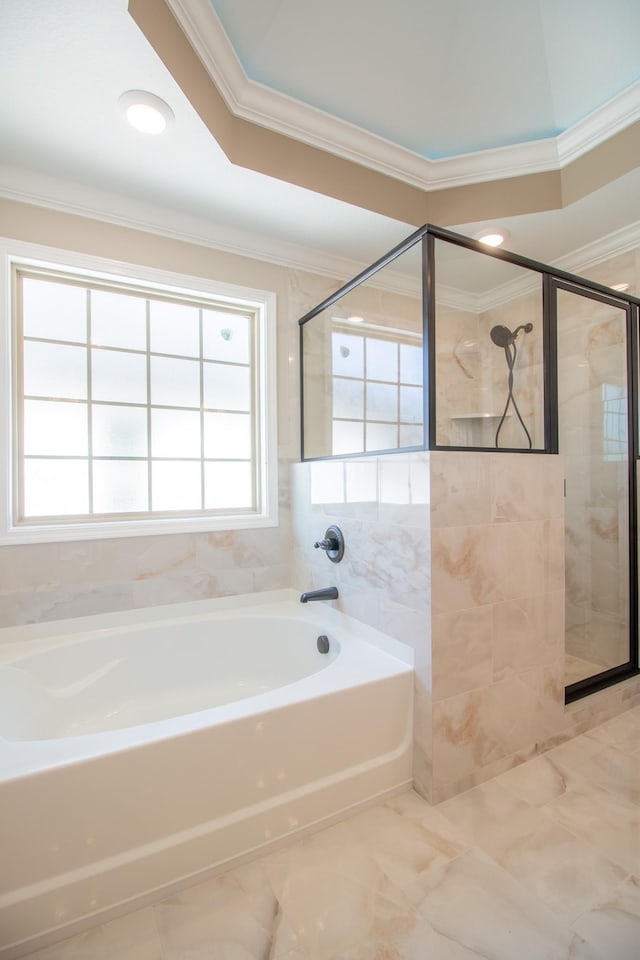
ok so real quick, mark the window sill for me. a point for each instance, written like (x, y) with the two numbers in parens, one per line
(110, 530)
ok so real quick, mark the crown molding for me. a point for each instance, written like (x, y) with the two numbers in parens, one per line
(65, 197)
(580, 260)
(591, 254)
(283, 114)
(601, 124)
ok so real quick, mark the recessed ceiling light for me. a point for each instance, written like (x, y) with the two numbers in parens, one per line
(355, 319)
(146, 112)
(492, 237)
(622, 287)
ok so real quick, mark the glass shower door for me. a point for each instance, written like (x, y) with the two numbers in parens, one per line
(594, 439)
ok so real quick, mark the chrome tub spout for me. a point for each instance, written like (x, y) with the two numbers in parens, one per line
(327, 593)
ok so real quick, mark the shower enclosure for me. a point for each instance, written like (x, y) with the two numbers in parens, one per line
(444, 344)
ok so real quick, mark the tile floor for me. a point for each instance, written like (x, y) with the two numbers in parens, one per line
(540, 863)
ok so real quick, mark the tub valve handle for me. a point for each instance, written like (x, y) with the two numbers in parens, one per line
(332, 544)
(329, 544)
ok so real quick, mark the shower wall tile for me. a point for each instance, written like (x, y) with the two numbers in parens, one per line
(422, 737)
(381, 505)
(526, 490)
(460, 578)
(460, 491)
(54, 581)
(464, 644)
(498, 615)
(527, 632)
(59, 603)
(194, 585)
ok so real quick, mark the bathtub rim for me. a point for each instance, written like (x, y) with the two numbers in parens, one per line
(33, 636)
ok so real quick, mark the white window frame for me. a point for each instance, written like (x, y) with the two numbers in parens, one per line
(19, 253)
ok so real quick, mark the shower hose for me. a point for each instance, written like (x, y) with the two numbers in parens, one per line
(511, 352)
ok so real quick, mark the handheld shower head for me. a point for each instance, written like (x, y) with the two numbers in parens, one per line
(505, 338)
(501, 336)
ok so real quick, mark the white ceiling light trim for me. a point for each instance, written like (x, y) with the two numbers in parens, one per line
(493, 236)
(146, 112)
(268, 108)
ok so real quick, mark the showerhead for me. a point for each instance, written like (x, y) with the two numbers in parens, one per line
(503, 337)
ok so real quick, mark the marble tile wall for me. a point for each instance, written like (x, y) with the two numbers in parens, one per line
(381, 504)
(498, 638)
(54, 581)
(497, 581)
(460, 555)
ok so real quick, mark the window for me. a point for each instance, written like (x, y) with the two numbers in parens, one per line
(138, 406)
(377, 390)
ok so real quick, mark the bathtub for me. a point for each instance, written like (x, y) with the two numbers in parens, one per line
(141, 751)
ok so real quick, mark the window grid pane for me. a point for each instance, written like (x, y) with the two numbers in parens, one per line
(385, 371)
(185, 462)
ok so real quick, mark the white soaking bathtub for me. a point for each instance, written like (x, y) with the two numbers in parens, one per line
(143, 750)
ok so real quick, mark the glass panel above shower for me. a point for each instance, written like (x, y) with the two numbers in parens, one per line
(363, 365)
(489, 373)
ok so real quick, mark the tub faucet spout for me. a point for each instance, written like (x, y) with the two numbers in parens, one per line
(327, 593)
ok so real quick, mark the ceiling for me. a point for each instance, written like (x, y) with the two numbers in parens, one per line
(320, 135)
(441, 78)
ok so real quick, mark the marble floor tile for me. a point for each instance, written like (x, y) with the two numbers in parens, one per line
(610, 824)
(405, 851)
(562, 870)
(478, 905)
(230, 916)
(623, 732)
(542, 779)
(615, 771)
(575, 751)
(613, 926)
(542, 862)
(133, 937)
